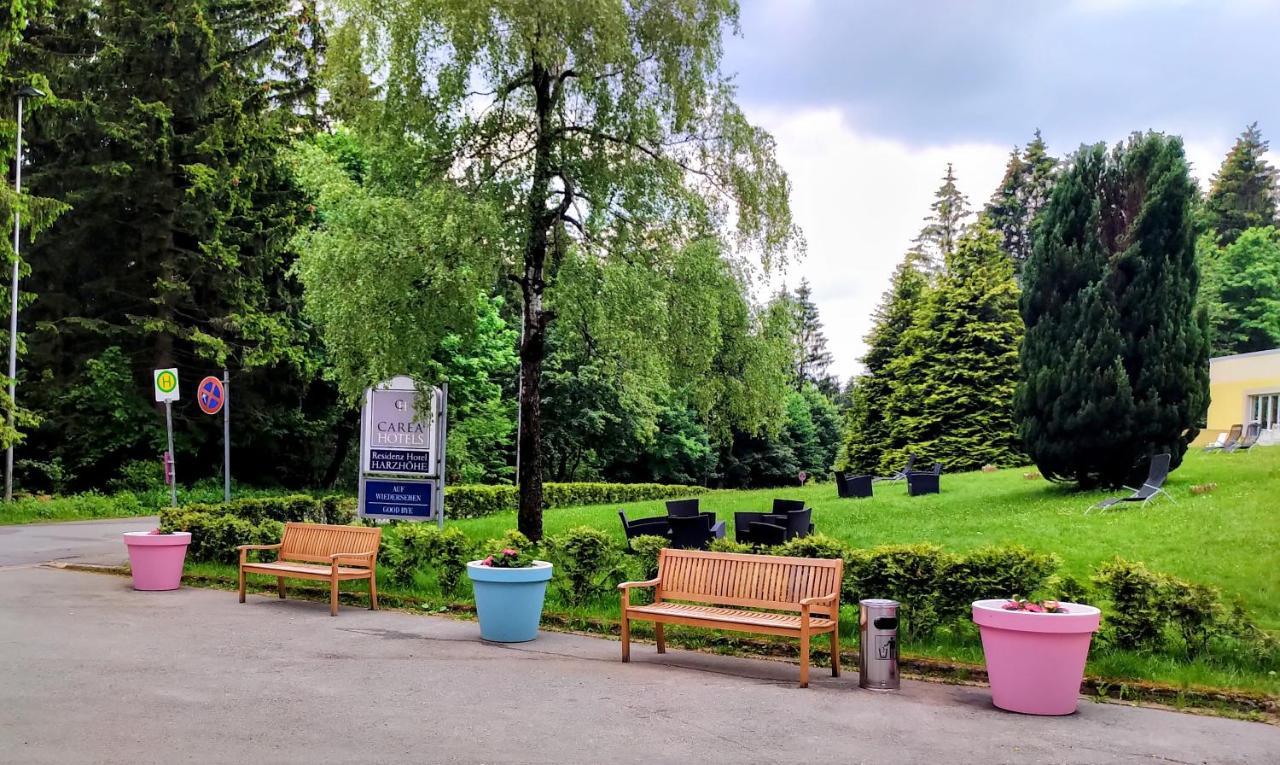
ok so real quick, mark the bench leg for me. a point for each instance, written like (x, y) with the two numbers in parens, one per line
(626, 638)
(280, 586)
(373, 592)
(835, 653)
(333, 596)
(660, 634)
(804, 660)
(241, 585)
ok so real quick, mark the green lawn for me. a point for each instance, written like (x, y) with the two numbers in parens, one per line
(1228, 538)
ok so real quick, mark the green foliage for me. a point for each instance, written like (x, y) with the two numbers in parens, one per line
(1137, 616)
(479, 501)
(587, 563)
(1115, 357)
(1244, 192)
(1024, 190)
(813, 546)
(412, 547)
(913, 575)
(996, 572)
(724, 545)
(944, 227)
(645, 549)
(951, 401)
(812, 357)
(1241, 290)
(216, 529)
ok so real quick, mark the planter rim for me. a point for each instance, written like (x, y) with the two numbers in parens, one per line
(1078, 618)
(147, 539)
(540, 571)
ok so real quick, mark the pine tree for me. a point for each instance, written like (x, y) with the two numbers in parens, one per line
(1028, 179)
(953, 397)
(813, 359)
(1244, 191)
(165, 142)
(945, 224)
(1114, 364)
(867, 431)
(1241, 291)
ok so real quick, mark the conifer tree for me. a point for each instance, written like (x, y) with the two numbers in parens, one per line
(1244, 191)
(1114, 363)
(946, 223)
(867, 430)
(813, 359)
(1028, 179)
(952, 401)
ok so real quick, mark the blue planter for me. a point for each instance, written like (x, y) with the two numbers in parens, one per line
(509, 600)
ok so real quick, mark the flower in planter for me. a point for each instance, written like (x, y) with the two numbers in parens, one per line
(508, 557)
(1043, 607)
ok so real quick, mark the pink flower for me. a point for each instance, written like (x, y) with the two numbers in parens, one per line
(509, 551)
(487, 561)
(1034, 607)
(1011, 606)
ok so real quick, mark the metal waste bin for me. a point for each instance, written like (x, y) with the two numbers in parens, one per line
(878, 649)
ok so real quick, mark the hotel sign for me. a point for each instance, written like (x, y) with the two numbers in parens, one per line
(402, 436)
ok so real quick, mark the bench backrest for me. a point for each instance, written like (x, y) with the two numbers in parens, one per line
(315, 542)
(750, 581)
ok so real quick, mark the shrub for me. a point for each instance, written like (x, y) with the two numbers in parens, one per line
(413, 547)
(913, 575)
(1136, 618)
(993, 572)
(725, 545)
(475, 501)
(645, 549)
(813, 546)
(586, 561)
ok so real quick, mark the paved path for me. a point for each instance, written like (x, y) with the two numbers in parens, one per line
(96, 542)
(91, 671)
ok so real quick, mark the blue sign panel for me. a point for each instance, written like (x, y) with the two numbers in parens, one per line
(400, 461)
(396, 499)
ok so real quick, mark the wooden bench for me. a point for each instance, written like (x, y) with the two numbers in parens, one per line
(314, 551)
(749, 593)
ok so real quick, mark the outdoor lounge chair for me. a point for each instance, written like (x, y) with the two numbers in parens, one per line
(901, 474)
(1249, 441)
(682, 508)
(924, 481)
(1156, 475)
(1233, 437)
(693, 532)
(659, 526)
(853, 486)
(772, 528)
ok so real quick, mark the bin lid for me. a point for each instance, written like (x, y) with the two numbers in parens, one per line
(879, 602)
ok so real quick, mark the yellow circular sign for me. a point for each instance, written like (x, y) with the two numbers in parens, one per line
(166, 381)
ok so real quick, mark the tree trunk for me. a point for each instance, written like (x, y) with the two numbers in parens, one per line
(347, 425)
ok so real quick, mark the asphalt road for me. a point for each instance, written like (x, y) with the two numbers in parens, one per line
(93, 542)
(93, 672)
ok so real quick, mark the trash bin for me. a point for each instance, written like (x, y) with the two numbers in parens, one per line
(878, 646)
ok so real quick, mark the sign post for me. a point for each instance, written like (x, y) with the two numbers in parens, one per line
(212, 397)
(402, 442)
(166, 390)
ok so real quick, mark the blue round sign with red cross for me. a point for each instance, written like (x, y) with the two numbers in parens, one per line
(210, 395)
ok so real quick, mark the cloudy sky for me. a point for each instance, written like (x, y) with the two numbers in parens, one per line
(869, 99)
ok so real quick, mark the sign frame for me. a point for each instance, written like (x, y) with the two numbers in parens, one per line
(162, 395)
(433, 450)
(400, 485)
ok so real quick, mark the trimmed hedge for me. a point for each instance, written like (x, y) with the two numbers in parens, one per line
(474, 501)
(217, 529)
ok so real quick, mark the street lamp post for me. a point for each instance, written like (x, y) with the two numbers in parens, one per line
(26, 92)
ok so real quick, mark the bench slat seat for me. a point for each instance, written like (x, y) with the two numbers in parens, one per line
(726, 618)
(305, 570)
(767, 594)
(319, 551)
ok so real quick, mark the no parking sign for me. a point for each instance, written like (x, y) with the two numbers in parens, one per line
(210, 394)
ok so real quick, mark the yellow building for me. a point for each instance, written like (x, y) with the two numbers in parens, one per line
(1243, 388)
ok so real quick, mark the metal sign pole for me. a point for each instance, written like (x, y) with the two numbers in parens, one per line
(173, 466)
(226, 435)
(442, 425)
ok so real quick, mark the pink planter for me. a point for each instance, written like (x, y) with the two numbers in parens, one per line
(1035, 662)
(156, 559)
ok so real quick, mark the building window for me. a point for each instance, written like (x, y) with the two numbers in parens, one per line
(1265, 409)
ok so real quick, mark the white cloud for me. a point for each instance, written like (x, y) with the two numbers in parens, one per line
(861, 200)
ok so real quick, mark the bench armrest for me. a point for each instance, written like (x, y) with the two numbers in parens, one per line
(362, 556)
(260, 547)
(819, 601)
(647, 583)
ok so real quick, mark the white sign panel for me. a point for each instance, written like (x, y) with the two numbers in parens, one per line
(166, 384)
(400, 430)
